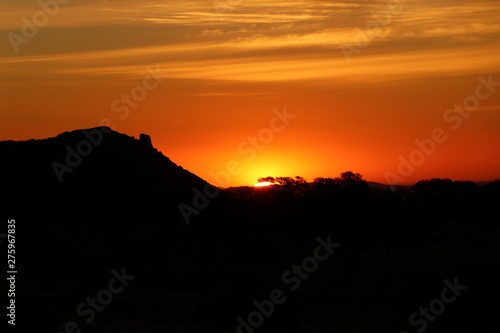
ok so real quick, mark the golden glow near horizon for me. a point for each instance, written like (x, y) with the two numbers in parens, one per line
(365, 79)
(263, 184)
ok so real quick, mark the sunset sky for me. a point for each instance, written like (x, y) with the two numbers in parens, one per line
(224, 68)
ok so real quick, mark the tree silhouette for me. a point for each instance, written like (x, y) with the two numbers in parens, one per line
(300, 180)
(266, 179)
(350, 179)
(433, 187)
(284, 181)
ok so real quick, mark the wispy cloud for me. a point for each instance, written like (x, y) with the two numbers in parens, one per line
(258, 40)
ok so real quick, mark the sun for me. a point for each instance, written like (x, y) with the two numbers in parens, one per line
(262, 184)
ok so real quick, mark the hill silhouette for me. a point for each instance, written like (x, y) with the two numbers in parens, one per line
(112, 159)
(91, 168)
(118, 208)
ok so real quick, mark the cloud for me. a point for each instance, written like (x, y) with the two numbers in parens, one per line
(472, 28)
(256, 41)
(210, 33)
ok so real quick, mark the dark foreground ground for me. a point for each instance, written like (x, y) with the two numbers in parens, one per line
(108, 250)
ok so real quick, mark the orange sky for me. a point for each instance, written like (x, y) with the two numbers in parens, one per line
(223, 72)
